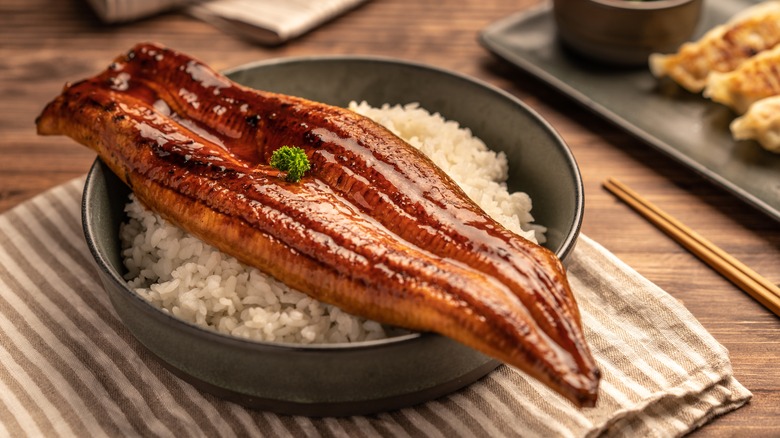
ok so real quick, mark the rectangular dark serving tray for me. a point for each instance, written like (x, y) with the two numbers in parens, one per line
(687, 127)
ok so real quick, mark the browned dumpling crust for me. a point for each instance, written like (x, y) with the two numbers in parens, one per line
(760, 123)
(755, 79)
(723, 48)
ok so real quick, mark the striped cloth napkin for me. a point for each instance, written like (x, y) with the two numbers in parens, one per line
(263, 21)
(68, 367)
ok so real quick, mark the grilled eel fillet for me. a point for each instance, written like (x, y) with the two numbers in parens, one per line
(374, 228)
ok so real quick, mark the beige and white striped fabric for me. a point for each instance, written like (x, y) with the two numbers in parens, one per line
(68, 367)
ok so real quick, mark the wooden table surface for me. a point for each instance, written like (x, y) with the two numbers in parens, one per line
(43, 44)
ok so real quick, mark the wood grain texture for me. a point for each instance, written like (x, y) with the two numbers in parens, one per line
(45, 44)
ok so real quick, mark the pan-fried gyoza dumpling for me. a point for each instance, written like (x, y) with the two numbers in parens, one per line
(755, 79)
(760, 123)
(721, 49)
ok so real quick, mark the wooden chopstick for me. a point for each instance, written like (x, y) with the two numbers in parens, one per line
(758, 287)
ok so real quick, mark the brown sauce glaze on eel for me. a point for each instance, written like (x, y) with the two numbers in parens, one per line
(374, 227)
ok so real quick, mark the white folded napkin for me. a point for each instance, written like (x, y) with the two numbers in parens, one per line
(261, 21)
(270, 21)
(70, 368)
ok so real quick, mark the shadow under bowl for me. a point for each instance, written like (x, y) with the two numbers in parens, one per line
(361, 377)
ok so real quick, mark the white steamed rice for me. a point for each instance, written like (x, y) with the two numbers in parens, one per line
(192, 280)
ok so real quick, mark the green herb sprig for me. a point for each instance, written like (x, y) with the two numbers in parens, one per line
(291, 159)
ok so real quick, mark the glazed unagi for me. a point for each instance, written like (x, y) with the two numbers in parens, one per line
(374, 227)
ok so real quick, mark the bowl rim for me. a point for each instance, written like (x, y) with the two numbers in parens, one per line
(98, 167)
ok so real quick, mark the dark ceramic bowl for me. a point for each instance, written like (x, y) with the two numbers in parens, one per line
(365, 377)
(625, 32)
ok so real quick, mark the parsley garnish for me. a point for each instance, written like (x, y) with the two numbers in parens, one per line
(291, 159)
